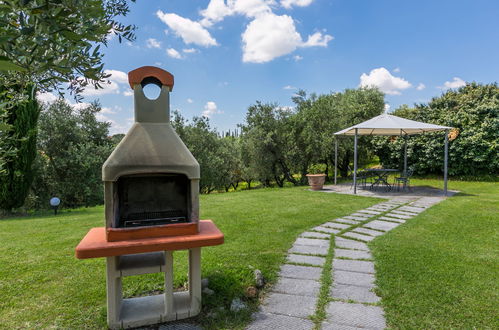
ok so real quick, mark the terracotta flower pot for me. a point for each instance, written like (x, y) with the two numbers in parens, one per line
(316, 181)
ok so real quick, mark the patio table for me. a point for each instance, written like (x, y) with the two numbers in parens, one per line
(381, 176)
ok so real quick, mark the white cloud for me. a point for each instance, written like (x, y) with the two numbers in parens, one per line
(384, 80)
(215, 12)
(191, 32)
(269, 36)
(455, 83)
(210, 108)
(46, 97)
(297, 58)
(117, 76)
(387, 107)
(128, 93)
(190, 50)
(153, 43)
(289, 87)
(420, 87)
(107, 88)
(252, 8)
(298, 3)
(189, 100)
(396, 70)
(318, 39)
(173, 53)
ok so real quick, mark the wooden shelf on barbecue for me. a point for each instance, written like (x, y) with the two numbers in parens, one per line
(95, 244)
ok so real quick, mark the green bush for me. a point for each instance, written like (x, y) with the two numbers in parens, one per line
(317, 169)
(473, 112)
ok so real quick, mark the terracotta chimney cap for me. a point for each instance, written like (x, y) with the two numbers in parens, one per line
(137, 76)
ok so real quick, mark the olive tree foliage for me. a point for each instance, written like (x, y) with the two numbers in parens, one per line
(317, 118)
(72, 146)
(18, 147)
(53, 42)
(473, 112)
(217, 157)
(268, 141)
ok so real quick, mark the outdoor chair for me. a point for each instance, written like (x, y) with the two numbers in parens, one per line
(404, 180)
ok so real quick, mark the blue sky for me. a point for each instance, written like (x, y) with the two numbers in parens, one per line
(225, 55)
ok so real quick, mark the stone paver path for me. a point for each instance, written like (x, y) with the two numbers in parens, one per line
(354, 303)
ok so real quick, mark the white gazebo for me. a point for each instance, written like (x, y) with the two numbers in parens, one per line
(389, 125)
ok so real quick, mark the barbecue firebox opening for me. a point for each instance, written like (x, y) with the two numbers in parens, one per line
(149, 200)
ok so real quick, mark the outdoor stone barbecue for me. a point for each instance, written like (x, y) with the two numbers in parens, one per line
(151, 188)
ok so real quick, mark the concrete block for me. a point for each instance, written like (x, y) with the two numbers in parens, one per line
(352, 254)
(356, 293)
(312, 242)
(327, 230)
(265, 321)
(354, 266)
(386, 218)
(381, 225)
(399, 216)
(301, 272)
(347, 221)
(306, 249)
(356, 315)
(353, 278)
(368, 231)
(361, 237)
(315, 235)
(299, 287)
(370, 212)
(350, 244)
(290, 305)
(299, 259)
(336, 225)
(351, 217)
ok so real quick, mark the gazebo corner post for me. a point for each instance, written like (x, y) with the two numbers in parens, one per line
(405, 155)
(335, 158)
(355, 162)
(446, 156)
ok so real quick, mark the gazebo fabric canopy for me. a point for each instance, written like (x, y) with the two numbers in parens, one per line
(391, 125)
(386, 124)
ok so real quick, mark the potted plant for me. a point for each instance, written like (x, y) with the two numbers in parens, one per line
(316, 176)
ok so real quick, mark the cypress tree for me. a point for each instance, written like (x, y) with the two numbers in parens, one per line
(17, 174)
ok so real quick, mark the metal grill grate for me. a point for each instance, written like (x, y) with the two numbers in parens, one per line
(153, 218)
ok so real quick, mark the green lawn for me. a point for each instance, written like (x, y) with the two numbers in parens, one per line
(441, 269)
(42, 284)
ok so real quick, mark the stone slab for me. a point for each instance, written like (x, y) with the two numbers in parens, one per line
(336, 225)
(350, 244)
(347, 221)
(354, 266)
(370, 212)
(315, 235)
(391, 219)
(327, 230)
(412, 209)
(355, 218)
(361, 237)
(368, 231)
(353, 278)
(356, 315)
(301, 272)
(290, 305)
(356, 293)
(381, 225)
(179, 326)
(399, 216)
(310, 260)
(312, 242)
(306, 249)
(352, 254)
(335, 326)
(362, 215)
(398, 211)
(265, 321)
(299, 287)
